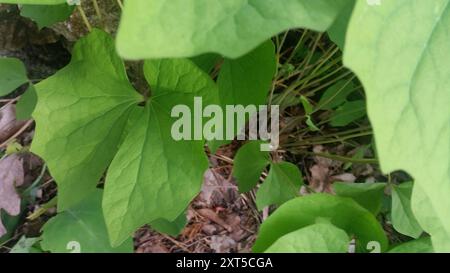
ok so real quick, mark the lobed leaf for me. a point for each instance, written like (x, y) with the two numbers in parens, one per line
(80, 116)
(154, 176)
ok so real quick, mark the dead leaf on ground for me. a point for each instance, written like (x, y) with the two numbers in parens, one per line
(320, 178)
(216, 190)
(11, 176)
(222, 244)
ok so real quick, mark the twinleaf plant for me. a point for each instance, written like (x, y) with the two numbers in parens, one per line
(95, 130)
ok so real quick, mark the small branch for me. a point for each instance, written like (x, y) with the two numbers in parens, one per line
(84, 17)
(344, 159)
(21, 130)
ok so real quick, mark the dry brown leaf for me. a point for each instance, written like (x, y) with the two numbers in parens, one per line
(8, 123)
(319, 180)
(344, 177)
(216, 190)
(11, 176)
(222, 244)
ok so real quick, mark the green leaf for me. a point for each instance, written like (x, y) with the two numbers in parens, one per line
(246, 81)
(311, 125)
(81, 114)
(336, 95)
(12, 75)
(406, 82)
(82, 225)
(338, 30)
(368, 195)
(249, 163)
(26, 245)
(185, 28)
(317, 238)
(349, 112)
(282, 184)
(173, 228)
(402, 216)
(34, 2)
(422, 245)
(47, 15)
(306, 105)
(26, 104)
(154, 176)
(342, 212)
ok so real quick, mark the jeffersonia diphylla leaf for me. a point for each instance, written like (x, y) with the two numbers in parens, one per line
(154, 176)
(81, 113)
(89, 118)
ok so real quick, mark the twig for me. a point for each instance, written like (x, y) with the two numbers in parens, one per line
(84, 17)
(97, 9)
(21, 130)
(180, 245)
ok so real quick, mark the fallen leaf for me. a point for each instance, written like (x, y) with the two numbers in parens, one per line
(222, 244)
(211, 215)
(8, 123)
(216, 190)
(344, 177)
(11, 176)
(319, 180)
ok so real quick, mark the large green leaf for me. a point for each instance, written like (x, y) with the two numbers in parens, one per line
(342, 212)
(182, 28)
(368, 195)
(246, 81)
(282, 184)
(399, 50)
(12, 75)
(81, 226)
(47, 15)
(81, 114)
(249, 163)
(402, 216)
(317, 238)
(154, 176)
